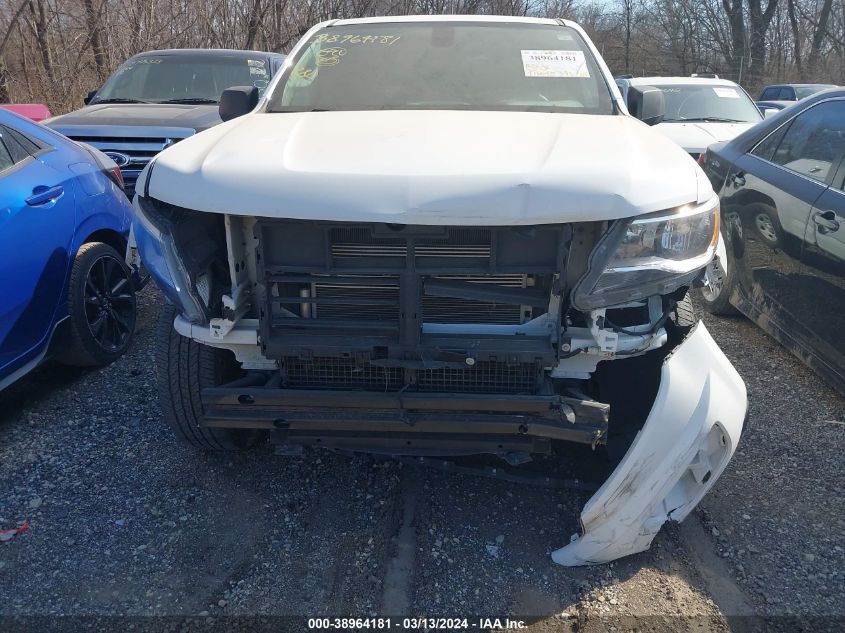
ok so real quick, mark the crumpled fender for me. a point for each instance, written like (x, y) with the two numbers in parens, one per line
(683, 447)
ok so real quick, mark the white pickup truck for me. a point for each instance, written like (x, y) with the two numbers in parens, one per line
(443, 236)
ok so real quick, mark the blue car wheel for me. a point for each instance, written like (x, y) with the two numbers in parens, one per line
(102, 307)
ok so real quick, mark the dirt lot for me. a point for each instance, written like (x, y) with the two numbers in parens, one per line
(124, 520)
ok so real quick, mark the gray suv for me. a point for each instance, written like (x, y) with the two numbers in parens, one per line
(158, 98)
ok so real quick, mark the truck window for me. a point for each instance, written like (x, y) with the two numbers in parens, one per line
(455, 66)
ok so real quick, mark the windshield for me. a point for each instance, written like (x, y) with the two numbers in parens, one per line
(701, 102)
(182, 78)
(802, 92)
(444, 65)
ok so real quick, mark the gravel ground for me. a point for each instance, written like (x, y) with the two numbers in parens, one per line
(777, 516)
(124, 520)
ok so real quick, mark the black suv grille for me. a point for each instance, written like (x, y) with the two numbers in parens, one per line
(140, 150)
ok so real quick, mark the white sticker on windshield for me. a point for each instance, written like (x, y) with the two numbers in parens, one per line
(726, 93)
(255, 63)
(555, 64)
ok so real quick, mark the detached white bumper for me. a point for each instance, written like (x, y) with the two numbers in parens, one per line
(685, 444)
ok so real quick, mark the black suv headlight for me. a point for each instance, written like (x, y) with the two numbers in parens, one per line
(651, 254)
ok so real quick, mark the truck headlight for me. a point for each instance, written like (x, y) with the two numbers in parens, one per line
(651, 254)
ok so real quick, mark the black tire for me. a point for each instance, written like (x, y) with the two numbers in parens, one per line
(184, 368)
(717, 300)
(636, 377)
(101, 305)
(684, 315)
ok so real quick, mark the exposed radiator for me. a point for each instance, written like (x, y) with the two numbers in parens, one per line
(435, 309)
(371, 291)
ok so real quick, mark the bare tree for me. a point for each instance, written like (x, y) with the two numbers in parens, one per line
(96, 37)
(759, 19)
(56, 50)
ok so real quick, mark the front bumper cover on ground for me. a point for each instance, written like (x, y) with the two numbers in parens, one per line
(685, 444)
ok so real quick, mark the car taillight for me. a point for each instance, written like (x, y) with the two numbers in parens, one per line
(107, 166)
(702, 159)
(116, 176)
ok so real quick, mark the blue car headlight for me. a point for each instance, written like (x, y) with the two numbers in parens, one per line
(158, 251)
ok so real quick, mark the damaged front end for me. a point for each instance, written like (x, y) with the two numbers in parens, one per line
(689, 436)
(451, 340)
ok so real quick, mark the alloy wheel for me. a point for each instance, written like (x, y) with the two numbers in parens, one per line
(109, 303)
(714, 281)
(766, 228)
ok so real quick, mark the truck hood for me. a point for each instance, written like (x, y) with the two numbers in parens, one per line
(196, 117)
(428, 167)
(697, 137)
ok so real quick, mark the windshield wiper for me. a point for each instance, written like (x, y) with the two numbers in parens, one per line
(189, 100)
(297, 109)
(118, 100)
(708, 119)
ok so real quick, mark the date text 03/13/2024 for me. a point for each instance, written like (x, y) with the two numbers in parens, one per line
(420, 623)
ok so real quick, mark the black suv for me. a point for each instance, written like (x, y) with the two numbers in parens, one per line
(158, 98)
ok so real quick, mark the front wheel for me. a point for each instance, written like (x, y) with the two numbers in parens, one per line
(684, 315)
(715, 294)
(184, 369)
(101, 305)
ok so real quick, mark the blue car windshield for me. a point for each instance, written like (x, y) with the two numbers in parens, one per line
(182, 78)
(445, 66)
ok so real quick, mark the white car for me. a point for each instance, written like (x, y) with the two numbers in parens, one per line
(444, 236)
(699, 111)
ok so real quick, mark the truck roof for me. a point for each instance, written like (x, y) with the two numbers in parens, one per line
(448, 18)
(673, 81)
(222, 52)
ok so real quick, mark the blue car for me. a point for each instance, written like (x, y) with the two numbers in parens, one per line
(65, 289)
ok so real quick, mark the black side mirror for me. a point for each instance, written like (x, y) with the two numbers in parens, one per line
(646, 103)
(91, 94)
(237, 101)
